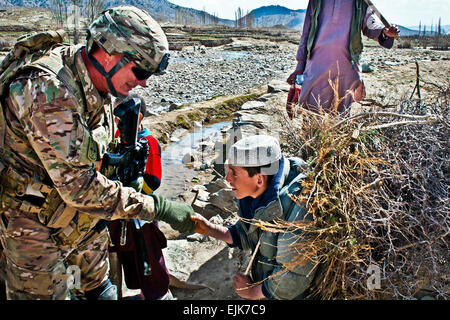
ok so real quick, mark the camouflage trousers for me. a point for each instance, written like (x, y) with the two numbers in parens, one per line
(37, 267)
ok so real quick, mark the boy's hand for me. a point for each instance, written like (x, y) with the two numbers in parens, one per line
(244, 287)
(202, 225)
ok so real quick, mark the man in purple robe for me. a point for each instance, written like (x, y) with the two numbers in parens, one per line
(329, 51)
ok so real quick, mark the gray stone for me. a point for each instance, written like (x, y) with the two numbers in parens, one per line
(206, 209)
(275, 86)
(217, 185)
(224, 200)
(197, 124)
(189, 157)
(251, 105)
(203, 195)
(366, 68)
(197, 237)
(265, 97)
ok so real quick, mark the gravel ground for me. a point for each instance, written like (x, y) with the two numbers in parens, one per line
(194, 76)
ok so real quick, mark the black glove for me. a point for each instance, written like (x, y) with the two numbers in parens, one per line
(177, 214)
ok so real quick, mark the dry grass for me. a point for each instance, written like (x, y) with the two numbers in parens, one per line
(378, 189)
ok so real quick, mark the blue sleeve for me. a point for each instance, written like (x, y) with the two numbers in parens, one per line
(235, 237)
(266, 292)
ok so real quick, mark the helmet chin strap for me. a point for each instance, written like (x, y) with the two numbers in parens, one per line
(108, 75)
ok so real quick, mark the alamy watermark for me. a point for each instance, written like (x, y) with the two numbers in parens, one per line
(68, 279)
(73, 20)
(374, 279)
(207, 141)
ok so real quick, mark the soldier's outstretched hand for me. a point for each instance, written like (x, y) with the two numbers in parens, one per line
(176, 214)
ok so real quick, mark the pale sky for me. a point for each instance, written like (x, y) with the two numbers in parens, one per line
(403, 12)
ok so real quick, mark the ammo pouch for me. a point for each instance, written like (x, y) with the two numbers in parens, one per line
(19, 191)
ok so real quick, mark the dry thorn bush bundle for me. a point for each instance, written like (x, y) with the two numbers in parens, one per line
(378, 189)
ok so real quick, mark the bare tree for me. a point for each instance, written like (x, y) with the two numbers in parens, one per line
(424, 38)
(439, 27)
(438, 35)
(76, 15)
(215, 18)
(203, 16)
(59, 11)
(238, 18)
(160, 16)
(180, 16)
(93, 9)
(250, 20)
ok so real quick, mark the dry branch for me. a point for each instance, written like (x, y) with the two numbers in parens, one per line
(378, 189)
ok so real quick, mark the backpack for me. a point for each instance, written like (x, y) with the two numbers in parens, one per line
(32, 51)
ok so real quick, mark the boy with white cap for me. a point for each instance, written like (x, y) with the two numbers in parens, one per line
(262, 179)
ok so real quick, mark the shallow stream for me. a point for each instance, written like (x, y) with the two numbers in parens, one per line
(177, 177)
(218, 56)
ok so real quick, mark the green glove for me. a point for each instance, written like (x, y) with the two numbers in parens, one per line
(177, 214)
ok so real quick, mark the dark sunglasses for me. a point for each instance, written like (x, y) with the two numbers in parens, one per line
(142, 74)
(163, 64)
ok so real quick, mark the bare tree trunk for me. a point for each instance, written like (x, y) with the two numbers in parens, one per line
(58, 9)
(438, 35)
(238, 16)
(250, 20)
(93, 9)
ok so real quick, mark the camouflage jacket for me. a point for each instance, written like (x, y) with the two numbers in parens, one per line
(51, 135)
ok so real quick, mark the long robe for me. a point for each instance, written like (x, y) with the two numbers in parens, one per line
(330, 56)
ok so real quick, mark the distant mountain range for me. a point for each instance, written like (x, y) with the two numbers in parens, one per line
(163, 10)
(269, 16)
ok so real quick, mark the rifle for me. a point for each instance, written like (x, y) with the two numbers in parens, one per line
(128, 164)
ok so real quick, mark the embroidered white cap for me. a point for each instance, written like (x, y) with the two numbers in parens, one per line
(254, 151)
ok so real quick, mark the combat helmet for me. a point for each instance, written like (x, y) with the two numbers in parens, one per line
(133, 32)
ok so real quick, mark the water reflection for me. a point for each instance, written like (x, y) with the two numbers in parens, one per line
(176, 177)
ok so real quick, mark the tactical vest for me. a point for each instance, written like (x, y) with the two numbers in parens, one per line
(43, 51)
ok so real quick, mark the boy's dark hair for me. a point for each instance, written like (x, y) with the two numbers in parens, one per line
(254, 170)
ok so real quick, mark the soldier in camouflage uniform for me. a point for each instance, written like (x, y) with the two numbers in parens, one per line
(57, 128)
